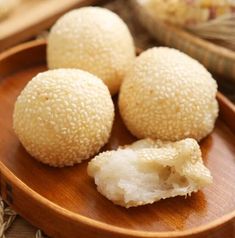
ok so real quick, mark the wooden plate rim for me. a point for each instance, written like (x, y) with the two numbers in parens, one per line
(89, 221)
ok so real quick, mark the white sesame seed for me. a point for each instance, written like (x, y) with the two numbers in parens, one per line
(168, 95)
(59, 133)
(93, 39)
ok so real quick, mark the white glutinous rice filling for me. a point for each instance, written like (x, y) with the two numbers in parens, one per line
(148, 171)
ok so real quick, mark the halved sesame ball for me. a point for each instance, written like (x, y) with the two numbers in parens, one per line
(149, 171)
(93, 39)
(63, 116)
(169, 96)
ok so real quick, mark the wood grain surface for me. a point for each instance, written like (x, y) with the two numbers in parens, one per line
(53, 198)
(21, 229)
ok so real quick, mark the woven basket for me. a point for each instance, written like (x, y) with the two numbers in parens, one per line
(216, 59)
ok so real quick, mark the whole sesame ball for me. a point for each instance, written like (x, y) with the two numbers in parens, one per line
(93, 39)
(63, 116)
(169, 96)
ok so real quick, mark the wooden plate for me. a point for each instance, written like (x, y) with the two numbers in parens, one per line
(64, 202)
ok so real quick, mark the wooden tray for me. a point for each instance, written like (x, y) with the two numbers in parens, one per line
(217, 59)
(64, 202)
(32, 17)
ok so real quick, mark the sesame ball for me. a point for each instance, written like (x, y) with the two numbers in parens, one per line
(93, 39)
(169, 96)
(149, 171)
(63, 116)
